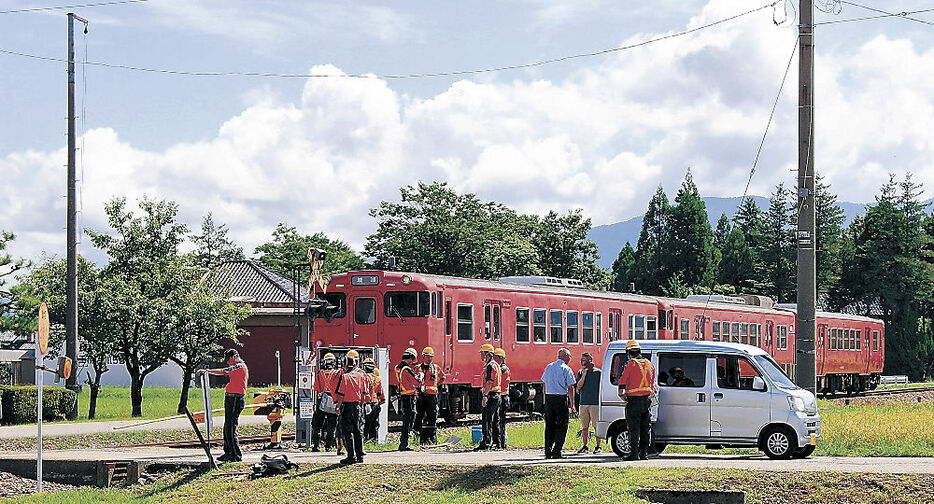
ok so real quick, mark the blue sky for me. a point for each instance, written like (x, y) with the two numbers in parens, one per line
(599, 133)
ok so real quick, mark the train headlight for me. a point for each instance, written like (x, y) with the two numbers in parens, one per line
(406, 279)
(318, 343)
(796, 403)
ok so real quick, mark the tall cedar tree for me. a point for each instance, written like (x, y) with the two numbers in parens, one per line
(690, 251)
(650, 273)
(288, 249)
(776, 252)
(748, 219)
(885, 264)
(830, 220)
(737, 267)
(564, 250)
(624, 269)
(213, 245)
(722, 232)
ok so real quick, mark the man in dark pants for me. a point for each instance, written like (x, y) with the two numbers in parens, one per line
(353, 390)
(426, 420)
(635, 388)
(238, 374)
(500, 355)
(408, 386)
(371, 423)
(492, 375)
(559, 395)
(323, 422)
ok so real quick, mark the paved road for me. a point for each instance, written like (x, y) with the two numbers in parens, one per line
(66, 428)
(916, 465)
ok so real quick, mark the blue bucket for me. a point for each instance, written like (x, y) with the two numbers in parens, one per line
(476, 433)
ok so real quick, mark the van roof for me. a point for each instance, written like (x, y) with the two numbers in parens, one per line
(691, 346)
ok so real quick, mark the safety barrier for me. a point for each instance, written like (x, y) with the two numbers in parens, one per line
(893, 380)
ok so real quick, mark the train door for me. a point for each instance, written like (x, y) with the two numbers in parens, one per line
(364, 319)
(614, 324)
(821, 348)
(492, 321)
(700, 324)
(866, 353)
(448, 359)
(769, 340)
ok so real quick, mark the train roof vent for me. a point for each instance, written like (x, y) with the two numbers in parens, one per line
(716, 298)
(787, 306)
(763, 301)
(543, 280)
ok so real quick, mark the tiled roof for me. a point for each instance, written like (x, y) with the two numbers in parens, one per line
(251, 282)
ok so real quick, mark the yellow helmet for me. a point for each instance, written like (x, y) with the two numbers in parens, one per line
(328, 356)
(368, 360)
(428, 351)
(633, 345)
(410, 352)
(353, 354)
(500, 352)
(486, 348)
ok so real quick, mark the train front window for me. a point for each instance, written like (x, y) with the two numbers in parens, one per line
(365, 311)
(407, 304)
(464, 322)
(338, 299)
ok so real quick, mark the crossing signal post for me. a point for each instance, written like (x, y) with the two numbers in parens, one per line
(62, 372)
(320, 308)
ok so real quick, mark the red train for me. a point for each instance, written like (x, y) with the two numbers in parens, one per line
(531, 317)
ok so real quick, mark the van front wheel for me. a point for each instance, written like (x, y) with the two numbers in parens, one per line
(619, 440)
(777, 443)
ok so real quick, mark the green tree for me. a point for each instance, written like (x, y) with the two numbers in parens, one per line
(624, 269)
(10, 320)
(650, 273)
(736, 265)
(288, 249)
(690, 250)
(830, 220)
(435, 230)
(146, 270)
(777, 253)
(213, 245)
(564, 250)
(748, 219)
(722, 233)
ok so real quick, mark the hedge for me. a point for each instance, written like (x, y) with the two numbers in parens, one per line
(19, 404)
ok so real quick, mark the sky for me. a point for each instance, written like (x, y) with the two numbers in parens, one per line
(344, 114)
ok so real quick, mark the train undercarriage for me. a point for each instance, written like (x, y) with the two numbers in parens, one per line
(848, 383)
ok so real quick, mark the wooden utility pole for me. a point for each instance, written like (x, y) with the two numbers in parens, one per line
(71, 289)
(806, 236)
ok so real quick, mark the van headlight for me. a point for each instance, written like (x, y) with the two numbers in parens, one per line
(796, 403)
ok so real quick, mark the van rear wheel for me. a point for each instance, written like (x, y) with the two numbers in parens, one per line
(778, 443)
(619, 440)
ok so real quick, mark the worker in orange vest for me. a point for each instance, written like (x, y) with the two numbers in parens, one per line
(408, 387)
(324, 420)
(353, 391)
(636, 385)
(426, 418)
(500, 355)
(377, 399)
(492, 386)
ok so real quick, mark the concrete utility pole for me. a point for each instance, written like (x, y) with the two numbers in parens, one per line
(806, 236)
(71, 294)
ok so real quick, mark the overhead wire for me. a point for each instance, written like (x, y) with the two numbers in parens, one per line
(903, 15)
(881, 16)
(403, 76)
(67, 7)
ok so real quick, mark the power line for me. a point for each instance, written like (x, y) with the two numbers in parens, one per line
(867, 18)
(903, 15)
(399, 76)
(67, 7)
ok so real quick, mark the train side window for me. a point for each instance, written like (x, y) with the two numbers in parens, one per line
(486, 322)
(685, 329)
(464, 322)
(434, 304)
(339, 300)
(587, 328)
(637, 327)
(846, 339)
(440, 315)
(699, 327)
(522, 325)
(682, 370)
(859, 339)
(651, 328)
(539, 330)
(782, 342)
(599, 329)
(572, 328)
(833, 339)
(447, 317)
(735, 332)
(365, 311)
(557, 326)
(875, 341)
(716, 331)
(744, 334)
(497, 327)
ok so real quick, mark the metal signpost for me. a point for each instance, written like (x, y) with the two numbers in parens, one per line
(206, 403)
(42, 346)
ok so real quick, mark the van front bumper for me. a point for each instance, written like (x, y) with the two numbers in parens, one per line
(808, 428)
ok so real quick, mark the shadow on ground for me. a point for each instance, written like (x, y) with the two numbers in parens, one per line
(483, 477)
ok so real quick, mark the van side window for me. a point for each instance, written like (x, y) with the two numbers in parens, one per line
(735, 372)
(619, 362)
(682, 370)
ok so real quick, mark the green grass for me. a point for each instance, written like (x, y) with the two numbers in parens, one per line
(113, 403)
(512, 484)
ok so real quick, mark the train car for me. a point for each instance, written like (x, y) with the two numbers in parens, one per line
(529, 317)
(850, 352)
(750, 320)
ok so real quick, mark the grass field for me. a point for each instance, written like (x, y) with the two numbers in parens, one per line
(508, 484)
(113, 403)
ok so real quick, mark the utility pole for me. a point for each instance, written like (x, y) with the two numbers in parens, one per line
(806, 236)
(71, 291)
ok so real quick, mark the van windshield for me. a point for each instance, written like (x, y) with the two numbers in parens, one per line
(775, 372)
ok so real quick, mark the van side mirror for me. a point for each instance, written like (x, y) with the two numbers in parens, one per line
(758, 384)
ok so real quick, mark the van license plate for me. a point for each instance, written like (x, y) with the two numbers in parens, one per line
(814, 439)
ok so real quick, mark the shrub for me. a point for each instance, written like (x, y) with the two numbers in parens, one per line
(19, 404)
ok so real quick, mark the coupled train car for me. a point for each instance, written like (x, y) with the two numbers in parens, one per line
(532, 317)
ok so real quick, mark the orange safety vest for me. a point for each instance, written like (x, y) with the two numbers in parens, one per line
(407, 379)
(638, 377)
(376, 393)
(504, 372)
(326, 381)
(354, 386)
(494, 374)
(432, 378)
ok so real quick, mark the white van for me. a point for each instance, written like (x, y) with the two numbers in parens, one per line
(732, 395)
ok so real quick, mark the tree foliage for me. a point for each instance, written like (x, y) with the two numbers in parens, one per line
(213, 245)
(651, 268)
(10, 319)
(287, 249)
(689, 251)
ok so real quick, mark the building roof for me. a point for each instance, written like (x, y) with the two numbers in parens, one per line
(250, 282)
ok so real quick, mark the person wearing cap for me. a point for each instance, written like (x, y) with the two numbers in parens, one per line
(559, 395)
(324, 420)
(500, 355)
(408, 387)
(426, 418)
(238, 375)
(353, 391)
(492, 385)
(636, 385)
(377, 399)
